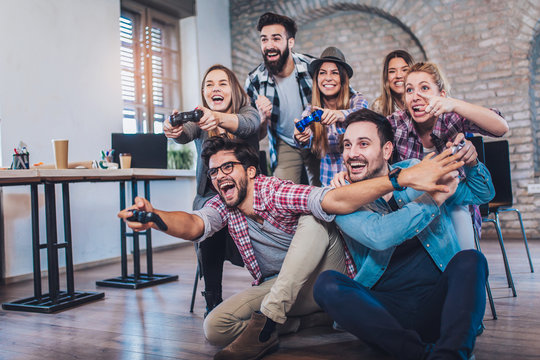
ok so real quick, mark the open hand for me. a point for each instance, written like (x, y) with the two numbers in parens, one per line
(426, 175)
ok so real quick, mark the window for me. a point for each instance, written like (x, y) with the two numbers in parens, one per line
(150, 67)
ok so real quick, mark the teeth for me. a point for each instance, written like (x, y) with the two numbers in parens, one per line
(399, 83)
(329, 86)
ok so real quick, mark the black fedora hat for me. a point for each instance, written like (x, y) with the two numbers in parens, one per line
(332, 54)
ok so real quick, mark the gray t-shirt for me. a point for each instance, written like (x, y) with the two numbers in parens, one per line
(290, 107)
(269, 243)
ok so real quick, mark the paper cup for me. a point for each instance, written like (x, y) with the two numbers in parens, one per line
(60, 148)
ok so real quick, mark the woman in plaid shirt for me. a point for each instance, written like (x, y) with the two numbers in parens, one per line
(432, 119)
(332, 94)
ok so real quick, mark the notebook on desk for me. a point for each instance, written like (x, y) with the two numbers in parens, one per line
(147, 150)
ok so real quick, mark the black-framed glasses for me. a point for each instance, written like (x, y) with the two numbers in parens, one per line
(226, 169)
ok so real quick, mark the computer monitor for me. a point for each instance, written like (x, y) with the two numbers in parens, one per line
(147, 150)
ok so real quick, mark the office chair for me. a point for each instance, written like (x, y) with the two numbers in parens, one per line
(497, 160)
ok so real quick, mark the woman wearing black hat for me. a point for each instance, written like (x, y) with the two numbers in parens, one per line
(332, 94)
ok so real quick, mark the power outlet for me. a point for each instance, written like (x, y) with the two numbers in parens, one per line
(533, 188)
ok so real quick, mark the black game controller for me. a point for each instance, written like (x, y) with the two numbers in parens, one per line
(184, 117)
(146, 217)
(304, 123)
(456, 148)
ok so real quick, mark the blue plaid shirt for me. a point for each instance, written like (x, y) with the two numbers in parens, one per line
(332, 162)
(260, 82)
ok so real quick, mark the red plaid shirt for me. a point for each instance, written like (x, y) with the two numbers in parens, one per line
(277, 201)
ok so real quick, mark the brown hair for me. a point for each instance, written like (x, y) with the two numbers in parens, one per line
(319, 145)
(387, 101)
(436, 73)
(239, 98)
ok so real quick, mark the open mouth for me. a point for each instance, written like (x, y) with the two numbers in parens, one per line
(329, 86)
(272, 55)
(418, 110)
(227, 188)
(357, 166)
(217, 99)
(398, 84)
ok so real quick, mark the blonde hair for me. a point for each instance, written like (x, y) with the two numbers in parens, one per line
(386, 103)
(239, 98)
(319, 145)
(436, 73)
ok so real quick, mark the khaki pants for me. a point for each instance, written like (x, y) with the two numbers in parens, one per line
(315, 247)
(292, 160)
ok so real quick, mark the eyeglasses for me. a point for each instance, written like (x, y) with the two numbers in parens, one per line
(226, 169)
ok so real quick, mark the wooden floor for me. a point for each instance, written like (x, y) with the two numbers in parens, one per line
(155, 323)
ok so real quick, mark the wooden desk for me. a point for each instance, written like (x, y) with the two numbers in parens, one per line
(56, 299)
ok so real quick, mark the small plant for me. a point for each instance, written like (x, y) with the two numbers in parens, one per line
(180, 158)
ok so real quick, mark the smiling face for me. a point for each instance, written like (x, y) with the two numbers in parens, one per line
(397, 69)
(275, 47)
(232, 188)
(418, 87)
(328, 79)
(218, 91)
(363, 155)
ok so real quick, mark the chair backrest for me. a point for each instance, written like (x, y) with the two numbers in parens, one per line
(478, 142)
(497, 160)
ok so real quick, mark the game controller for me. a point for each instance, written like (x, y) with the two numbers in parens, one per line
(146, 217)
(456, 148)
(184, 117)
(304, 123)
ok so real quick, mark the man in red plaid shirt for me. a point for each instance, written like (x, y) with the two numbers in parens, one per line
(283, 250)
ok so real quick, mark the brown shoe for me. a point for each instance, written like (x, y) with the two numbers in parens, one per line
(247, 346)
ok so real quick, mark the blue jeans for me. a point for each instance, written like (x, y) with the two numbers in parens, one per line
(442, 325)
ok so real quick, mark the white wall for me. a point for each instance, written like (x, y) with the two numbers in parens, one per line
(60, 78)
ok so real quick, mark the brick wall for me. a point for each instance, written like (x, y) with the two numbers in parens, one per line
(490, 51)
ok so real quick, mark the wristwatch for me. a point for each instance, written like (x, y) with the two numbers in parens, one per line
(393, 175)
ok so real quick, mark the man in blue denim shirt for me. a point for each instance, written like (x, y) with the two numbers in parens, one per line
(416, 295)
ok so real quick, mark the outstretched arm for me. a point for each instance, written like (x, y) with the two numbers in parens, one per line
(180, 224)
(423, 176)
(482, 117)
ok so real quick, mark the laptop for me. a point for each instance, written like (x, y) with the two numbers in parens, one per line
(147, 150)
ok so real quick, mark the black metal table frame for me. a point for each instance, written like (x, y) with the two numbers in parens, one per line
(136, 280)
(55, 299)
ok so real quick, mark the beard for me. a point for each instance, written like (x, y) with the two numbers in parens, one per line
(275, 67)
(370, 174)
(242, 192)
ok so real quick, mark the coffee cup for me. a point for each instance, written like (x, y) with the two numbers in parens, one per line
(125, 160)
(60, 148)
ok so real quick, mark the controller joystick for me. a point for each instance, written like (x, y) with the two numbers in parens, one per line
(146, 217)
(304, 123)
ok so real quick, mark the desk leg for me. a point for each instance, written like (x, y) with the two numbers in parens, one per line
(35, 240)
(137, 280)
(136, 250)
(67, 239)
(55, 300)
(123, 245)
(52, 240)
(149, 262)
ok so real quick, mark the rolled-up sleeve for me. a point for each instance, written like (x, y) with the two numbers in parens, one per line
(213, 221)
(314, 203)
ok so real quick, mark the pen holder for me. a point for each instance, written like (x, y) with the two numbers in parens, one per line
(20, 161)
